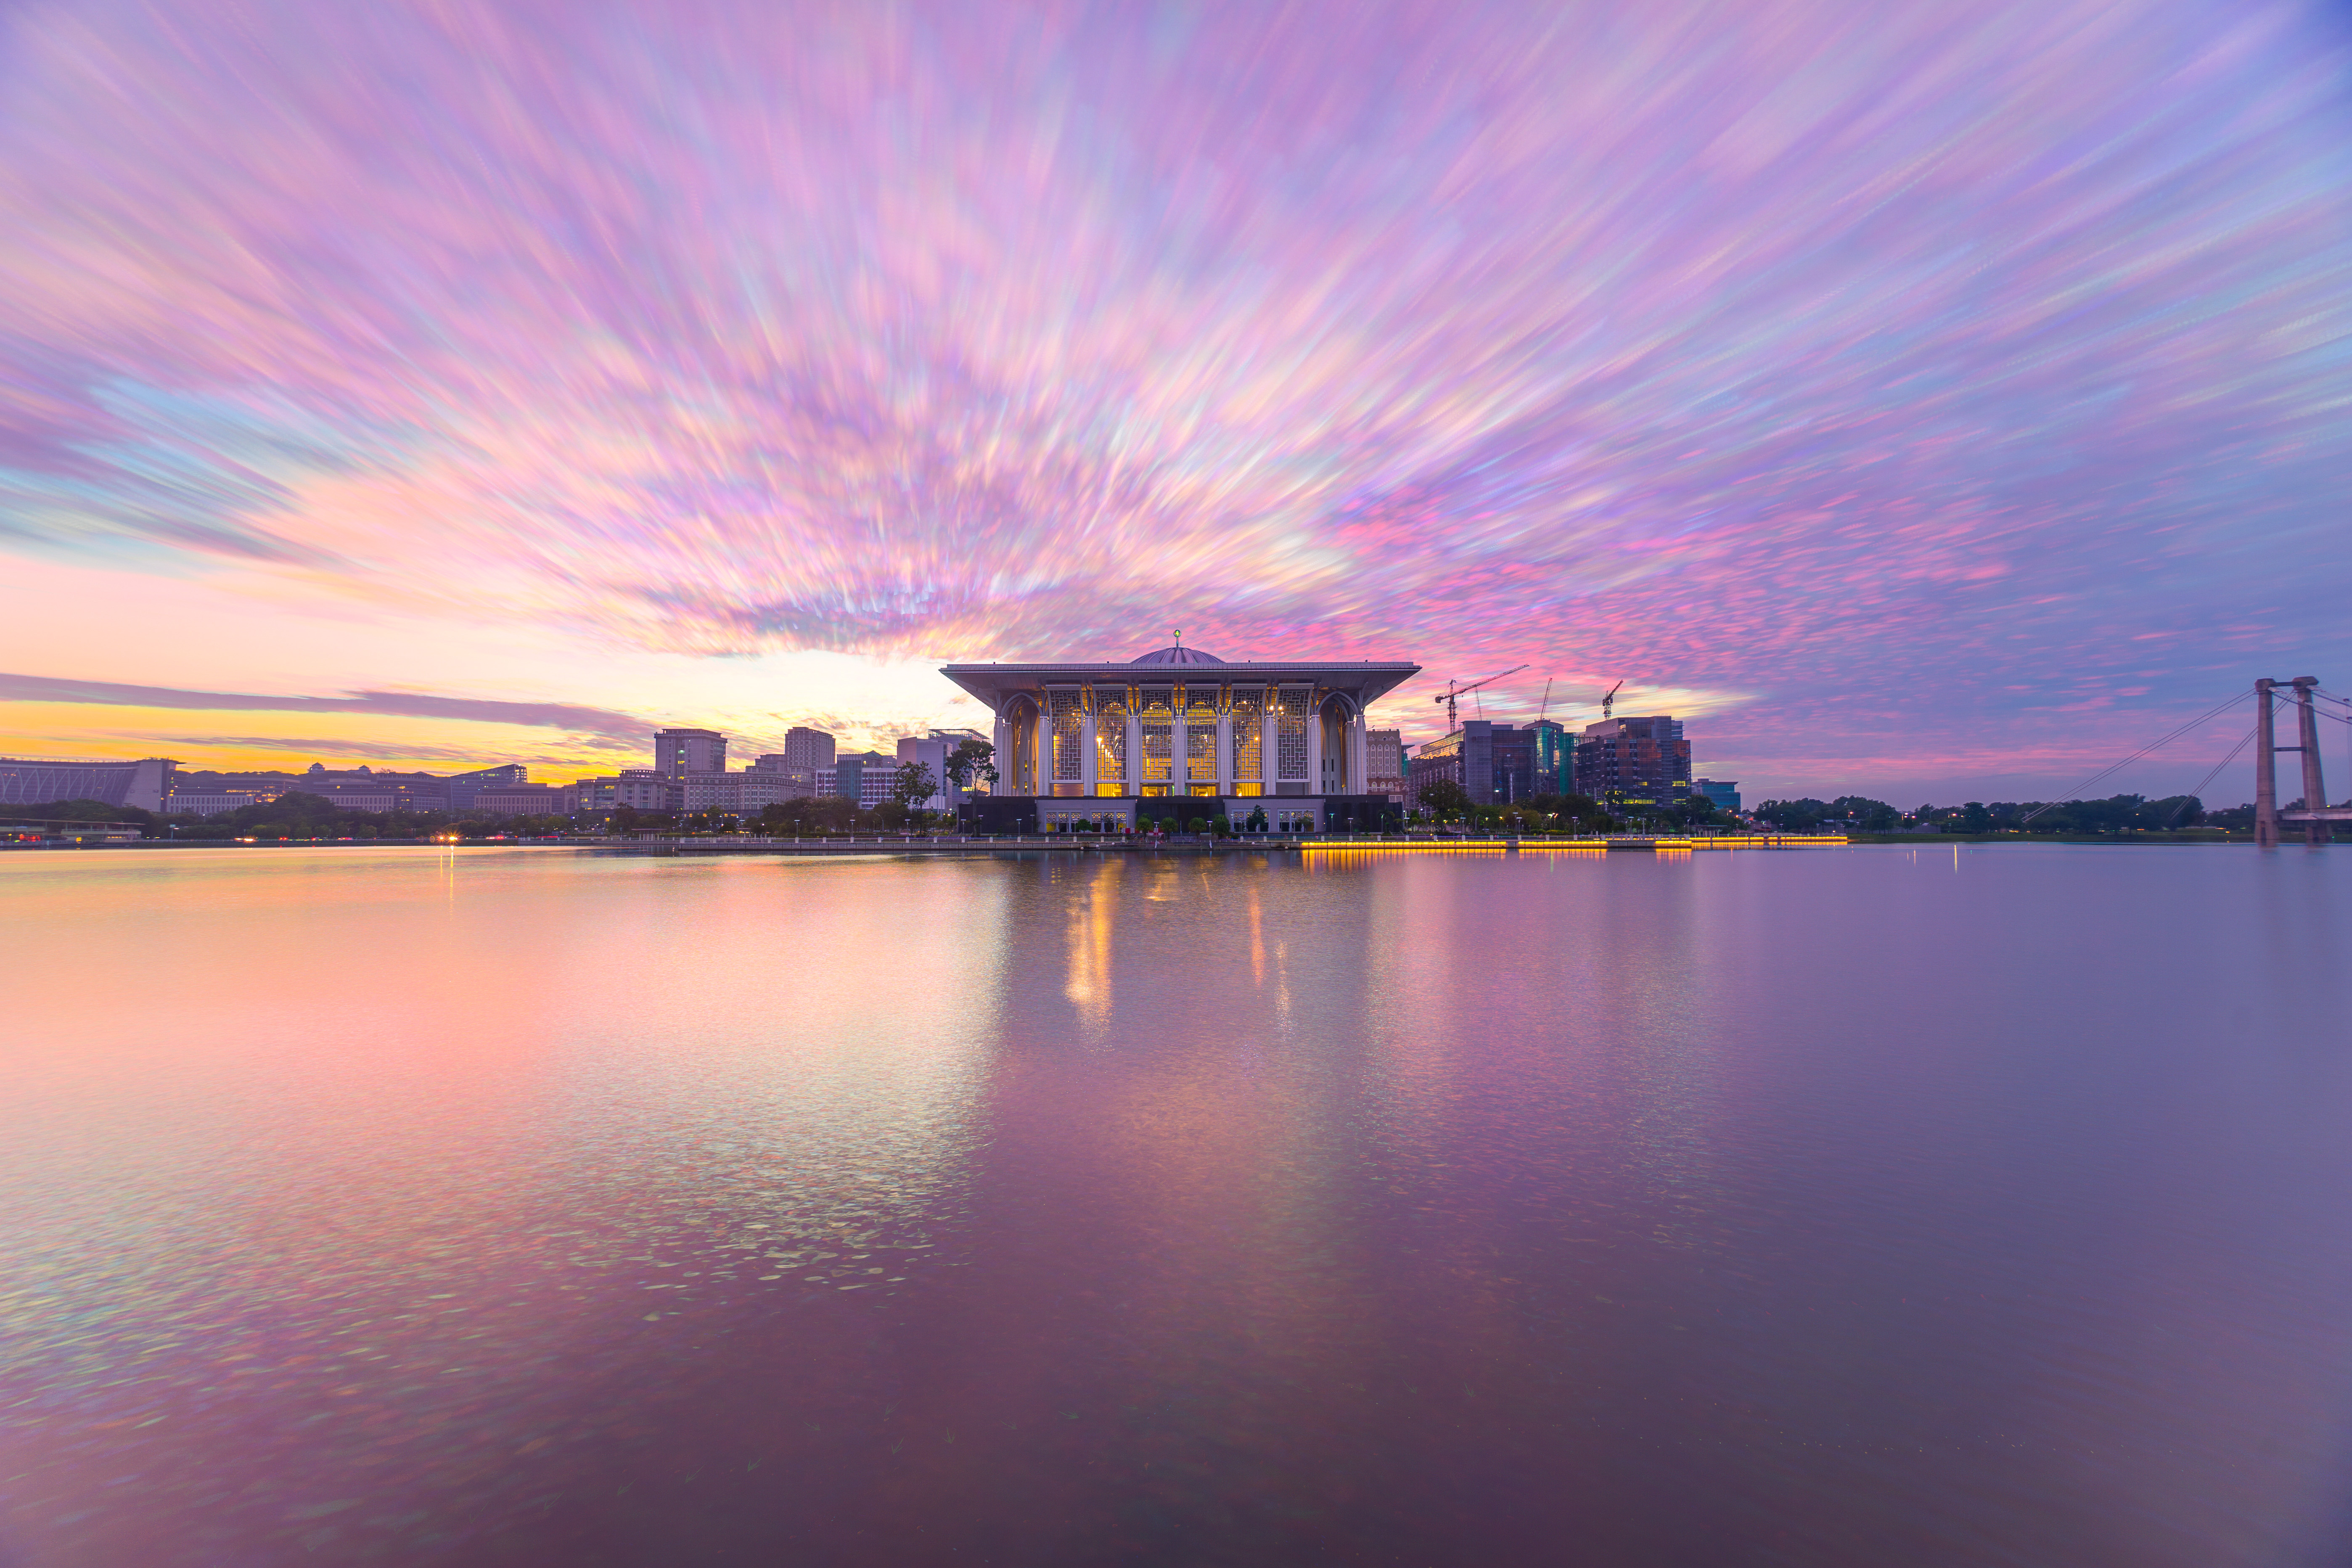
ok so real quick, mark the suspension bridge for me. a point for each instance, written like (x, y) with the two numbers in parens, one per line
(2311, 813)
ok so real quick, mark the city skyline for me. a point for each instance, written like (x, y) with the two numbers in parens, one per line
(1926, 405)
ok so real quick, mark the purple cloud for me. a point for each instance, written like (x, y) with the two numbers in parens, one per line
(1835, 356)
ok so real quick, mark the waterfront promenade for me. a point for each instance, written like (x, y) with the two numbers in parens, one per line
(982, 843)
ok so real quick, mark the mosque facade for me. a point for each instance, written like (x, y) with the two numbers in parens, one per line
(1181, 733)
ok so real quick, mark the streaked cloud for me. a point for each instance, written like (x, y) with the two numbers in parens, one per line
(1914, 375)
(557, 715)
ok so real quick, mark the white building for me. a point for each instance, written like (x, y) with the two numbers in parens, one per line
(212, 802)
(744, 794)
(1104, 737)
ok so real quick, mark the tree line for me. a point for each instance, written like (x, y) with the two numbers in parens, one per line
(2116, 815)
(1445, 801)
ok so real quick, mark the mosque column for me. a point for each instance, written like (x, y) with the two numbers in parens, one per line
(1087, 746)
(1269, 743)
(1315, 741)
(1226, 745)
(1003, 754)
(1360, 775)
(1134, 782)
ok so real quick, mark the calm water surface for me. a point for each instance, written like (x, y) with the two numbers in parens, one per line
(1861, 1206)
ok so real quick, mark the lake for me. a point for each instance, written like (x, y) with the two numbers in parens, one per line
(1867, 1205)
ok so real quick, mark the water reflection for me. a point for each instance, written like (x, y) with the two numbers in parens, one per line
(1822, 1208)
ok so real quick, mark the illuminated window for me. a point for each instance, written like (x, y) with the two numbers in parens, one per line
(1067, 714)
(1248, 712)
(1290, 732)
(1110, 741)
(1200, 736)
(1159, 735)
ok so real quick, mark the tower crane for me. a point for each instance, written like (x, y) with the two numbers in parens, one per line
(1606, 702)
(1543, 712)
(1454, 688)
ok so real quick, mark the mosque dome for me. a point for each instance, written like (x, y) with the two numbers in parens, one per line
(1179, 654)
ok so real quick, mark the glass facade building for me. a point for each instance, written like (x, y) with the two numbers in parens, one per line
(1642, 761)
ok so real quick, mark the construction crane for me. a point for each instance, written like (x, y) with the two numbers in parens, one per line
(1454, 688)
(1543, 711)
(1606, 702)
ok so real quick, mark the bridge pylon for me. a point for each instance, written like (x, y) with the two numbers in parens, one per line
(2315, 816)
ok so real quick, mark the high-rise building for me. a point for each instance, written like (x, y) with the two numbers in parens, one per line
(807, 748)
(1554, 766)
(1721, 794)
(1635, 762)
(677, 753)
(141, 783)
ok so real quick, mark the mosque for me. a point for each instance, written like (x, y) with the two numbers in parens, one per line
(1284, 739)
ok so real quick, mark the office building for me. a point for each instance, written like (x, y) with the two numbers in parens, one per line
(1552, 768)
(1721, 794)
(141, 783)
(638, 789)
(528, 800)
(186, 802)
(864, 777)
(677, 753)
(807, 750)
(798, 782)
(1495, 764)
(1639, 762)
(744, 794)
(1436, 759)
(461, 788)
(1102, 740)
(363, 789)
(1384, 771)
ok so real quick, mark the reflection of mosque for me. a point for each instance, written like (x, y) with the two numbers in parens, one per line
(1282, 741)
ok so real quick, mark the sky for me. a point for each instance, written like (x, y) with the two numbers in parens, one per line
(1932, 402)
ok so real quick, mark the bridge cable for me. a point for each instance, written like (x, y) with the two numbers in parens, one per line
(2076, 792)
(2198, 795)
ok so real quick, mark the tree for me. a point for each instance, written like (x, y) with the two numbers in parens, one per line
(911, 785)
(1443, 798)
(1694, 810)
(971, 763)
(1794, 816)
